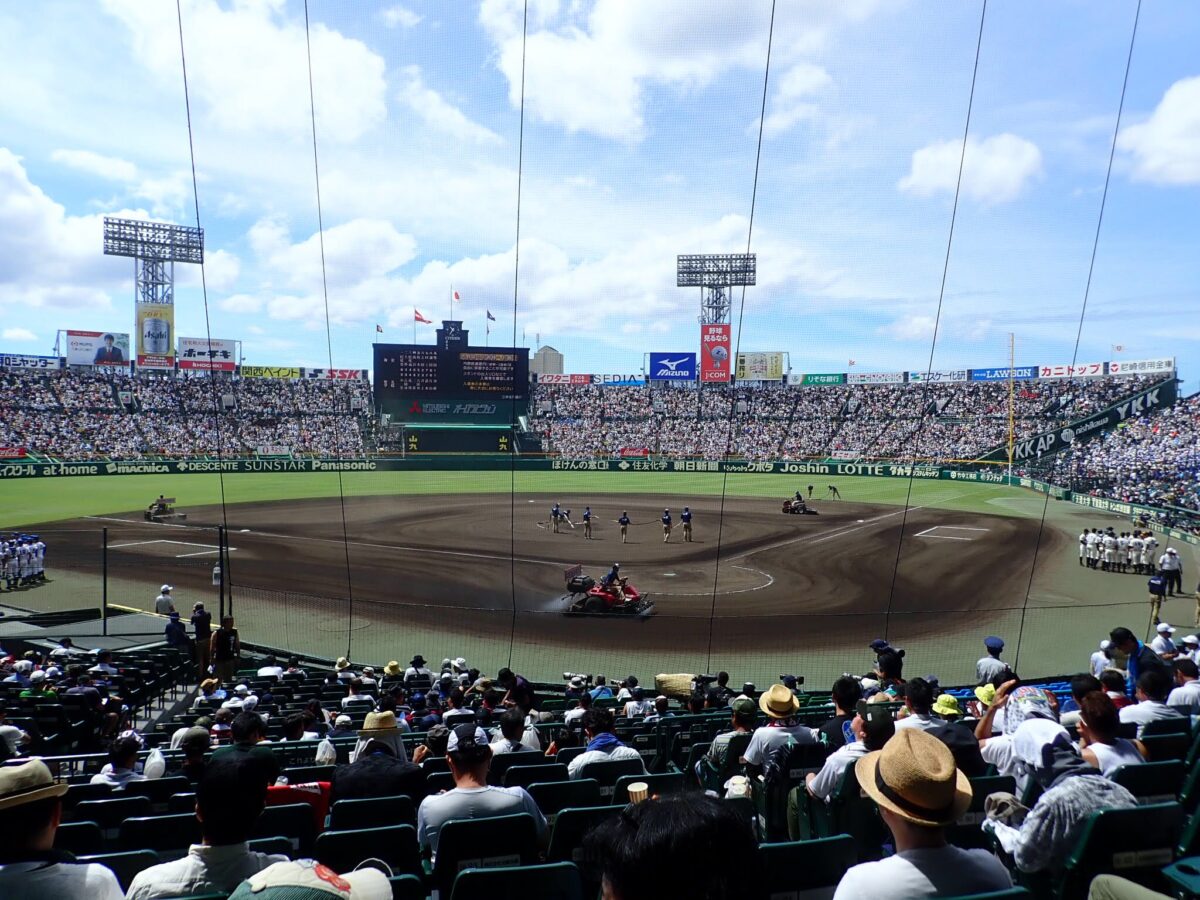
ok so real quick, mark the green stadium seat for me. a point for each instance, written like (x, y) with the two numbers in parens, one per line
(77, 793)
(552, 881)
(407, 887)
(801, 868)
(771, 799)
(664, 783)
(523, 776)
(607, 772)
(184, 802)
(966, 832)
(124, 865)
(555, 796)
(849, 812)
(712, 779)
(169, 835)
(483, 843)
(159, 790)
(109, 814)
(291, 820)
(566, 754)
(373, 812)
(570, 826)
(1157, 782)
(396, 845)
(1164, 747)
(1174, 725)
(436, 782)
(79, 838)
(1133, 843)
(1013, 893)
(308, 774)
(505, 761)
(278, 845)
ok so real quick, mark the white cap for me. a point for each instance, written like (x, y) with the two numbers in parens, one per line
(241, 689)
(166, 588)
(460, 664)
(1164, 628)
(1191, 639)
(342, 720)
(1171, 550)
(37, 677)
(249, 703)
(309, 879)
(1105, 644)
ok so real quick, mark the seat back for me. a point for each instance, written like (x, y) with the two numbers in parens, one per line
(158, 790)
(483, 843)
(965, 832)
(1162, 747)
(566, 754)
(79, 838)
(396, 845)
(293, 821)
(607, 772)
(1173, 725)
(182, 802)
(1158, 782)
(372, 812)
(806, 866)
(273, 846)
(570, 826)
(665, 783)
(523, 776)
(505, 761)
(852, 813)
(123, 865)
(1134, 843)
(555, 796)
(77, 793)
(109, 814)
(169, 835)
(307, 774)
(552, 881)
(407, 887)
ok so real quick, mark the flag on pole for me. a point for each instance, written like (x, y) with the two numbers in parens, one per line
(417, 317)
(378, 328)
(491, 318)
(1118, 348)
(852, 362)
(454, 293)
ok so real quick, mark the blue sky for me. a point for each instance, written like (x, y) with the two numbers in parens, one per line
(640, 130)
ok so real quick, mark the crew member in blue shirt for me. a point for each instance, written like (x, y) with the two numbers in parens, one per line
(624, 523)
(686, 518)
(614, 580)
(587, 523)
(666, 520)
(555, 515)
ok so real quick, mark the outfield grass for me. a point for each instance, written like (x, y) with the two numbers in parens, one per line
(27, 501)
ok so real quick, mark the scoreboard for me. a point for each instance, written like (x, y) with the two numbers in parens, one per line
(451, 381)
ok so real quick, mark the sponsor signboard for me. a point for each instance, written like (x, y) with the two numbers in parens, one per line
(875, 378)
(618, 380)
(949, 375)
(845, 454)
(1051, 442)
(207, 354)
(759, 366)
(817, 379)
(97, 348)
(1141, 366)
(270, 371)
(12, 452)
(564, 379)
(335, 374)
(672, 367)
(26, 361)
(1018, 373)
(274, 450)
(715, 351)
(1066, 370)
(634, 452)
(156, 335)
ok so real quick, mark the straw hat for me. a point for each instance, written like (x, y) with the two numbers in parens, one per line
(379, 723)
(27, 783)
(342, 663)
(393, 668)
(778, 702)
(915, 778)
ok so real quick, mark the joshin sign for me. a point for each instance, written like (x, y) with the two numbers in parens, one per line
(714, 353)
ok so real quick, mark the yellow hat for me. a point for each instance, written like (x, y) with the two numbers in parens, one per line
(947, 705)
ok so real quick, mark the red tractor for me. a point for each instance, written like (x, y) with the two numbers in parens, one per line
(586, 597)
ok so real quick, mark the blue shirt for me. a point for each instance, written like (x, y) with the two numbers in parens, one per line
(666, 518)
(685, 516)
(587, 515)
(624, 520)
(603, 692)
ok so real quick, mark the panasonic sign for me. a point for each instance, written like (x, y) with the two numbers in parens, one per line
(672, 366)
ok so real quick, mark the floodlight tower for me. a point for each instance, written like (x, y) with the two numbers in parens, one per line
(156, 246)
(714, 274)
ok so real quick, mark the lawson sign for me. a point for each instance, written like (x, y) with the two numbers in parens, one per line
(672, 367)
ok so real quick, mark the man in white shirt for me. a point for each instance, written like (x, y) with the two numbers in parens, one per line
(12, 737)
(472, 797)
(164, 603)
(229, 799)
(1153, 685)
(919, 792)
(602, 744)
(122, 757)
(270, 668)
(514, 735)
(868, 737)
(585, 703)
(104, 664)
(782, 729)
(1162, 643)
(30, 811)
(1171, 567)
(1185, 697)
(918, 700)
(1100, 659)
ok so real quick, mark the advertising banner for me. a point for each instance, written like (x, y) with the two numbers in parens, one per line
(1050, 442)
(274, 450)
(1141, 366)
(875, 378)
(564, 379)
(335, 374)
(715, 344)
(1019, 373)
(12, 452)
(944, 377)
(1079, 370)
(672, 367)
(619, 380)
(759, 367)
(634, 453)
(269, 371)
(97, 348)
(156, 335)
(209, 354)
(25, 361)
(817, 379)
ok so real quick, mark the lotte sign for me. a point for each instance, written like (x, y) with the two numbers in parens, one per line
(715, 353)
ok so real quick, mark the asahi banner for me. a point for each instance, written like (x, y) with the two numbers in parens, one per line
(156, 335)
(24, 361)
(207, 354)
(1050, 442)
(269, 371)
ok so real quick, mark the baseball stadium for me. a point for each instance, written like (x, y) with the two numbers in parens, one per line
(557, 396)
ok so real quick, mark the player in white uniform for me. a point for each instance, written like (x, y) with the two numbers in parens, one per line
(39, 557)
(5, 559)
(1123, 552)
(1110, 552)
(1149, 545)
(24, 567)
(1093, 547)
(1135, 552)
(1083, 536)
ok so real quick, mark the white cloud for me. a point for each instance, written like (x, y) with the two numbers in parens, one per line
(400, 17)
(1166, 147)
(19, 334)
(996, 169)
(247, 66)
(248, 304)
(438, 113)
(107, 167)
(909, 328)
(792, 102)
(221, 270)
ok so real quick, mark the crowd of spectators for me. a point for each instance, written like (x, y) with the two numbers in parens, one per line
(937, 421)
(84, 415)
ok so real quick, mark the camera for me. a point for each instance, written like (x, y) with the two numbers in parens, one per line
(587, 679)
(699, 682)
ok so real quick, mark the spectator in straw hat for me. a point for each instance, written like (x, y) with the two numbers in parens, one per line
(919, 792)
(30, 810)
(342, 669)
(379, 765)
(782, 728)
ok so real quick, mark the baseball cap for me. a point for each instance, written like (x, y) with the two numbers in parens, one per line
(165, 588)
(789, 681)
(879, 645)
(37, 677)
(241, 689)
(342, 720)
(745, 707)
(466, 737)
(1164, 628)
(1190, 639)
(307, 879)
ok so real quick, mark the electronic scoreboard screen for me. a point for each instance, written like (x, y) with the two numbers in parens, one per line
(451, 381)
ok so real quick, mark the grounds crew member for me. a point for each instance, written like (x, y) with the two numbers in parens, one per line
(624, 523)
(686, 518)
(666, 523)
(555, 515)
(587, 523)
